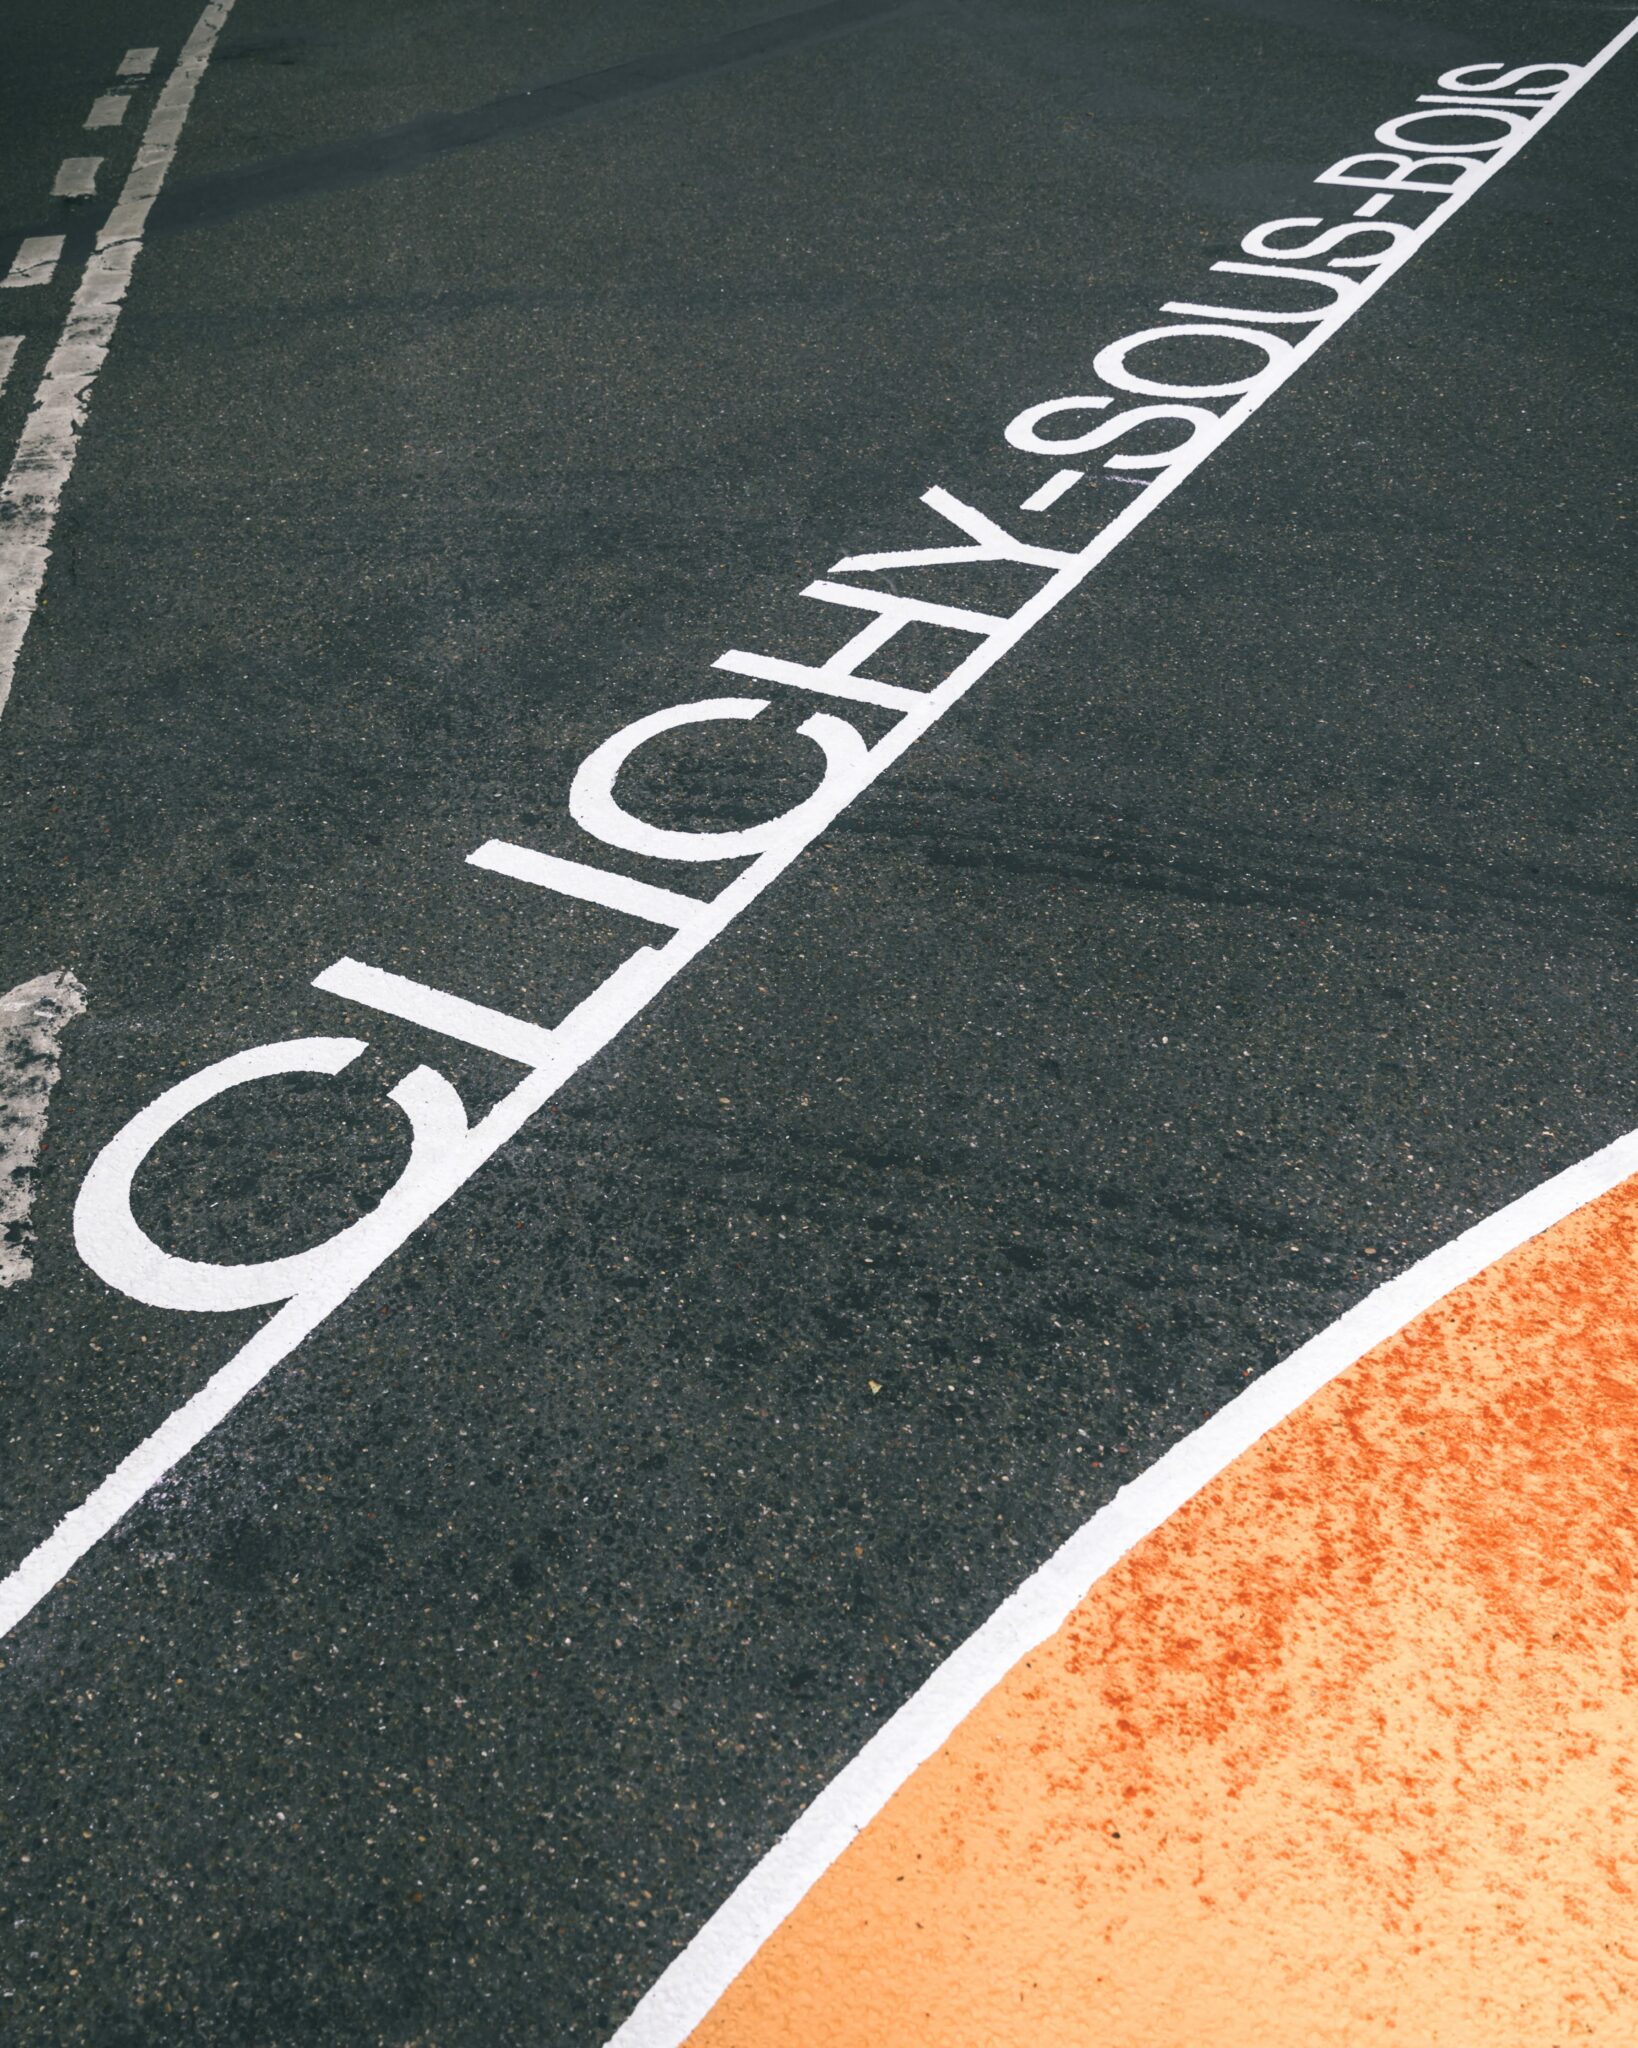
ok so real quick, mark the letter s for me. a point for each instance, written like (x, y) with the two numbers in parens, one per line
(1462, 80)
(1024, 432)
(1258, 244)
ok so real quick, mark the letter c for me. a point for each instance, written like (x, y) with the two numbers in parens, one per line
(117, 1249)
(593, 806)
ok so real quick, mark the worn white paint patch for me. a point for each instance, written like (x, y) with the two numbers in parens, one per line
(32, 1020)
(137, 63)
(77, 177)
(33, 488)
(34, 262)
(9, 345)
(108, 111)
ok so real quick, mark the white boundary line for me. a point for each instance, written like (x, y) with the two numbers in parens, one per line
(33, 489)
(692, 1984)
(445, 1151)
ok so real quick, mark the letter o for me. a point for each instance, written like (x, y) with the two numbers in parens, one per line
(1110, 363)
(593, 806)
(1393, 132)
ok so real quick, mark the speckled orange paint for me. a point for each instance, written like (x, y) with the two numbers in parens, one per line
(1346, 1753)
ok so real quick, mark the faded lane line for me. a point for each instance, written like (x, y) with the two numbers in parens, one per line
(9, 345)
(1342, 1751)
(108, 111)
(137, 63)
(691, 1986)
(34, 262)
(33, 489)
(33, 1018)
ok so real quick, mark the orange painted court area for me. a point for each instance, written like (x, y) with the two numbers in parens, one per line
(1347, 1752)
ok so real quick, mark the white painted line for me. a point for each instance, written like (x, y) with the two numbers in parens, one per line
(1371, 207)
(591, 885)
(34, 262)
(9, 345)
(77, 177)
(451, 1016)
(1052, 490)
(33, 488)
(33, 1017)
(312, 1284)
(109, 111)
(689, 1988)
(137, 63)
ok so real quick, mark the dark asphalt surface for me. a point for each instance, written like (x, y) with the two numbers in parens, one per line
(1267, 916)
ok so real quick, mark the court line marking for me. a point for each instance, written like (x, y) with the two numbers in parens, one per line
(32, 492)
(446, 1150)
(687, 1990)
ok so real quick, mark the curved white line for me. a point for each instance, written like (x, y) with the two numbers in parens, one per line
(694, 1982)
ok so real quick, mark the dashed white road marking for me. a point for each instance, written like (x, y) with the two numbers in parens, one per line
(77, 178)
(33, 487)
(137, 63)
(33, 1017)
(1052, 490)
(108, 111)
(9, 345)
(34, 262)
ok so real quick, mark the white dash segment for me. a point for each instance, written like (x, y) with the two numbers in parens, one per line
(1369, 209)
(590, 885)
(137, 63)
(77, 178)
(531, 1045)
(9, 345)
(1052, 490)
(108, 111)
(34, 262)
(33, 488)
